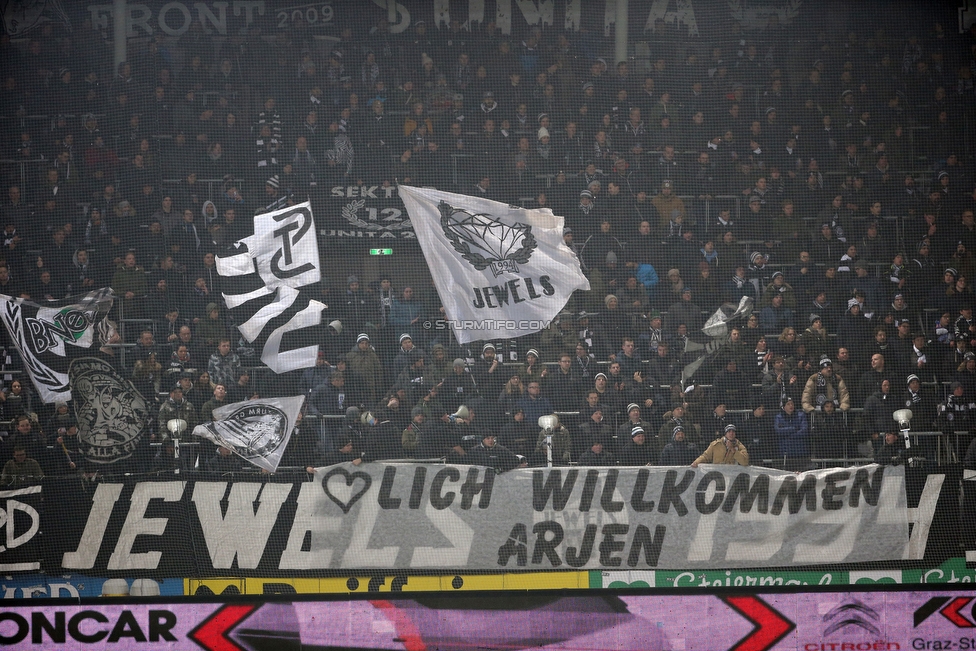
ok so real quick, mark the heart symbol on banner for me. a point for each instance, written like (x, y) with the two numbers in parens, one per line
(342, 493)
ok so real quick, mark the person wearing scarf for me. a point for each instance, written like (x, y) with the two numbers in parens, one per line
(923, 412)
(342, 154)
(955, 414)
(582, 364)
(96, 229)
(913, 394)
(823, 386)
(543, 152)
(762, 361)
(847, 261)
(304, 162)
(586, 202)
(654, 335)
(739, 285)
(727, 450)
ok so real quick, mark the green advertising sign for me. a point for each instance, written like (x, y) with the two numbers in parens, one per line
(953, 570)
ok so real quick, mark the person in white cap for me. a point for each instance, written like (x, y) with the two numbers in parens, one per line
(823, 386)
(458, 388)
(332, 343)
(407, 349)
(533, 369)
(584, 217)
(639, 450)
(543, 159)
(407, 313)
(678, 452)
(923, 407)
(273, 196)
(488, 372)
(364, 365)
(913, 393)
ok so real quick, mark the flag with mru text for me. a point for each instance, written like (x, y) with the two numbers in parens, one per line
(256, 430)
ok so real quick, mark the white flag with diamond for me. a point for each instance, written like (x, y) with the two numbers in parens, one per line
(501, 271)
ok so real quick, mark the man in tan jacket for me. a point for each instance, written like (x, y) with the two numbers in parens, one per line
(727, 450)
(823, 386)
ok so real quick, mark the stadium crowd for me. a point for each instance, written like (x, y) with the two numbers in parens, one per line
(832, 184)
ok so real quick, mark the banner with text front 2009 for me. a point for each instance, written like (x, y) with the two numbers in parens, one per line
(430, 517)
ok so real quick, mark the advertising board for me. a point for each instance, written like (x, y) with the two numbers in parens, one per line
(825, 621)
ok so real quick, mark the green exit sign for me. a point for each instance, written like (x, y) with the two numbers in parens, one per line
(381, 251)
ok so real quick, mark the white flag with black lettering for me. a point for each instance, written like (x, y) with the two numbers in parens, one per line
(501, 271)
(262, 287)
(42, 334)
(256, 430)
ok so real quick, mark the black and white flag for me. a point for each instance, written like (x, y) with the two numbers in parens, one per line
(42, 334)
(263, 281)
(501, 271)
(111, 413)
(256, 430)
(717, 327)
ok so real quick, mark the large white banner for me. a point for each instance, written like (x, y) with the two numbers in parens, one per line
(404, 516)
(263, 286)
(256, 430)
(501, 271)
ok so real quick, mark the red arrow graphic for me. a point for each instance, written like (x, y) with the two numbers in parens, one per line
(211, 634)
(951, 612)
(771, 626)
(406, 630)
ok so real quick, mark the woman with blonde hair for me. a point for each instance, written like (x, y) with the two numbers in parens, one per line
(511, 393)
(675, 283)
(785, 344)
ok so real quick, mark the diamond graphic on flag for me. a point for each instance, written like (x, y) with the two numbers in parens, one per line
(486, 242)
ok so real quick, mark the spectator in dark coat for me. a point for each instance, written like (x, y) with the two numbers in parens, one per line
(596, 456)
(831, 435)
(731, 385)
(793, 432)
(639, 451)
(492, 454)
(684, 311)
(224, 461)
(679, 452)
(855, 331)
(759, 435)
(893, 451)
(877, 416)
